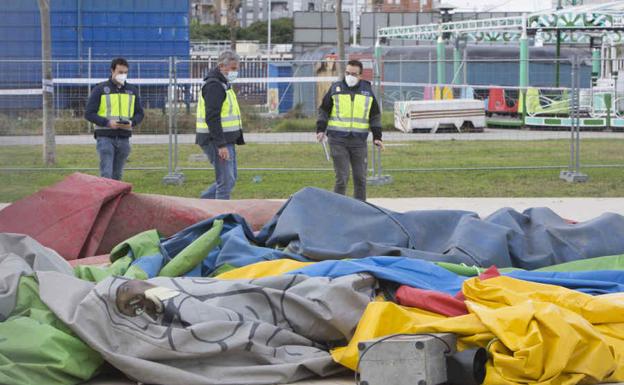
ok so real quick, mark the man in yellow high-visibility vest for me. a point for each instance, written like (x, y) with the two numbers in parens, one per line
(114, 108)
(348, 111)
(219, 127)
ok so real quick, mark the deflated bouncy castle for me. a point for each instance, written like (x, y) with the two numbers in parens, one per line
(95, 279)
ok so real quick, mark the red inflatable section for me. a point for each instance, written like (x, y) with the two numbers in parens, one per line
(70, 216)
(141, 212)
(84, 215)
(438, 302)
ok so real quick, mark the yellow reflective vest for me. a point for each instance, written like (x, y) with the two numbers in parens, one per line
(116, 106)
(230, 114)
(350, 114)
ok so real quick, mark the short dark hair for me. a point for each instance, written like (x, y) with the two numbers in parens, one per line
(356, 63)
(119, 62)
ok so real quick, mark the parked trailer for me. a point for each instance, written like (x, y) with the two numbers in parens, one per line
(433, 115)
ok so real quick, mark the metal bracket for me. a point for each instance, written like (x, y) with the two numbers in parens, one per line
(175, 178)
(573, 176)
(377, 179)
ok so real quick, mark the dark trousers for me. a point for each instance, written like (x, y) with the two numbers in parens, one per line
(351, 151)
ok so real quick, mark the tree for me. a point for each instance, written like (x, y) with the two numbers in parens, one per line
(209, 31)
(340, 31)
(281, 31)
(232, 22)
(49, 141)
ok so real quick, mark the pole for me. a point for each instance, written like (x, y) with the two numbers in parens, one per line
(57, 107)
(377, 75)
(524, 68)
(465, 64)
(595, 65)
(430, 64)
(89, 69)
(89, 124)
(456, 63)
(268, 53)
(173, 176)
(401, 76)
(441, 60)
(374, 163)
(573, 115)
(573, 174)
(269, 32)
(175, 115)
(353, 23)
(49, 141)
(557, 58)
(340, 32)
(79, 35)
(558, 52)
(578, 116)
(170, 111)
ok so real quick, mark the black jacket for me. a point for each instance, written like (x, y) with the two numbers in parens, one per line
(213, 92)
(328, 103)
(93, 105)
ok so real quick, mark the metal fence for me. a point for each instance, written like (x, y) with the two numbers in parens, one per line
(280, 98)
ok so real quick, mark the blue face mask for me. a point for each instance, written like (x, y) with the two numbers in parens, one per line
(232, 75)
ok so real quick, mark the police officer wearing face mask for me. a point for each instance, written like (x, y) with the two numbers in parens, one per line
(114, 108)
(219, 125)
(348, 111)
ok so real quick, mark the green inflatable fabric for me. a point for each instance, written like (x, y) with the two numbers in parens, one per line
(37, 348)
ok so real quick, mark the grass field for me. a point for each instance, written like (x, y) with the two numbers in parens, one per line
(398, 157)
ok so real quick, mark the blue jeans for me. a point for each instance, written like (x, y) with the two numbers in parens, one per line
(225, 172)
(113, 153)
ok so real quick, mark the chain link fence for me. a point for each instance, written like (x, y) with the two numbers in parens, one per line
(545, 124)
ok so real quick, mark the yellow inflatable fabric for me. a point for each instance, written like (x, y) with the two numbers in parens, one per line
(263, 269)
(534, 333)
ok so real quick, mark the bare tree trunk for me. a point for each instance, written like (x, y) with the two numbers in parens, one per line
(340, 31)
(49, 142)
(232, 22)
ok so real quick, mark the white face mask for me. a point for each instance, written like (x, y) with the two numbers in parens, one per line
(232, 75)
(121, 78)
(351, 80)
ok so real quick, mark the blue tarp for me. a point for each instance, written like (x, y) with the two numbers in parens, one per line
(322, 225)
(591, 282)
(429, 276)
(317, 225)
(405, 271)
(238, 248)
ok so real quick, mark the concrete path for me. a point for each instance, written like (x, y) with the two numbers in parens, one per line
(580, 209)
(309, 137)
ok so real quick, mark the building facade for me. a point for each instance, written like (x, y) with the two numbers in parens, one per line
(250, 11)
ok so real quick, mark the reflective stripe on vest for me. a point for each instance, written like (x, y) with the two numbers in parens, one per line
(350, 115)
(116, 107)
(230, 114)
